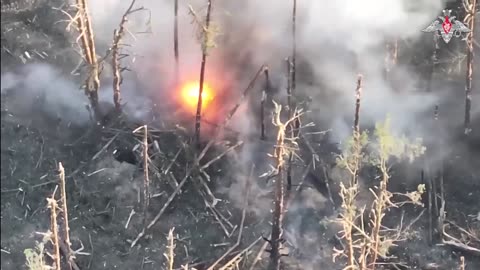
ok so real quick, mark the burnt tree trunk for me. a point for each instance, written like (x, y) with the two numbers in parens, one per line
(278, 215)
(433, 64)
(358, 95)
(290, 80)
(88, 44)
(469, 74)
(198, 117)
(262, 103)
(175, 42)
(294, 45)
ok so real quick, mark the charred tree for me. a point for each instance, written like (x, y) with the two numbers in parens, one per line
(358, 96)
(434, 62)
(276, 240)
(205, 41)
(117, 70)
(289, 85)
(290, 69)
(117, 76)
(391, 57)
(470, 8)
(293, 75)
(175, 42)
(265, 92)
(92, 84)
(280, 152)
(294, 45)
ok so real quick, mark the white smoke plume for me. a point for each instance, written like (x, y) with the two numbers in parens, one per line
(335, 39)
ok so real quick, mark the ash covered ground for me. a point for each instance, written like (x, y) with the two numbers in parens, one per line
(45, 120)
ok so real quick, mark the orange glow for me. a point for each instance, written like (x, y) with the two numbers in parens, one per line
(189, 95)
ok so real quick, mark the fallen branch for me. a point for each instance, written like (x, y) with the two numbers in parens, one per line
(206, 165)
(239, 238)
(105, 147)
(259, 255)
(452, 241)
(229, 263)
(197, 160)
(146, 179)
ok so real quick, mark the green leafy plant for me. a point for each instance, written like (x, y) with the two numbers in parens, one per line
(364, 242)
(35, 257)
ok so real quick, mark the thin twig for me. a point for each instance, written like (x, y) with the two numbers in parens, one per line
(259, 255)
(236, 257)
(105, 147)
(198, 115)
(239, 238)
(206, 165)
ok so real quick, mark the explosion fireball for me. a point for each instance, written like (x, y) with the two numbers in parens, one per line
(189, 95)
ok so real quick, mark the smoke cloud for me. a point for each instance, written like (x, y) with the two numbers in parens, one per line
(336, 40)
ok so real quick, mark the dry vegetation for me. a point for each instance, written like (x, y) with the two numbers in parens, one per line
(366, 241)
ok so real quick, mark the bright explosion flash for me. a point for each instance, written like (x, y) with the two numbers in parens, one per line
(189, 95)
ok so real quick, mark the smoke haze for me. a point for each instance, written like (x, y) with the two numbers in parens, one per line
(336, 40)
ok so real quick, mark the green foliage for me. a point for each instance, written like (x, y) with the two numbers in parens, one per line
(361, 150)
(415, 197)
(35, 256)
(385, 145)
(206, 36)
(353, 151)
